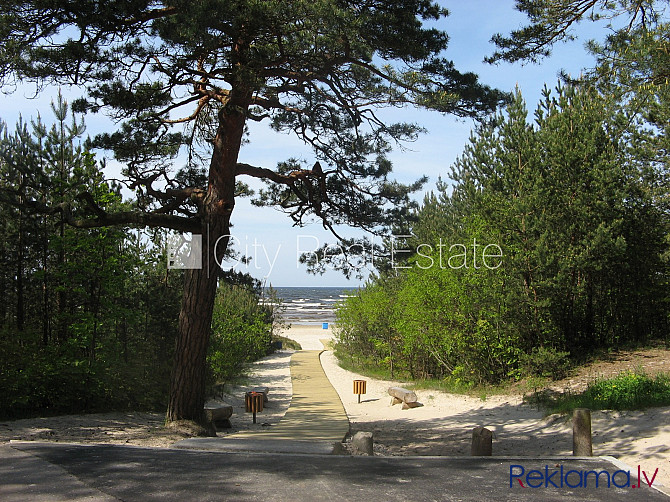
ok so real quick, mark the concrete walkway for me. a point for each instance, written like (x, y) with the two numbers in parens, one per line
(315, 422)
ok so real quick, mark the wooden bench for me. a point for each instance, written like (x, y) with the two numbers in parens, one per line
(404, 396)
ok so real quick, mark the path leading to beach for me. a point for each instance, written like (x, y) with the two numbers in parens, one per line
(315, 413)
(315, 421)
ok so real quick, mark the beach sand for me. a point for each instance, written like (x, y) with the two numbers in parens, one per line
(443, 425)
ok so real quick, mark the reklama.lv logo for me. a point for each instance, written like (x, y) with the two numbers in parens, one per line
(559, 478)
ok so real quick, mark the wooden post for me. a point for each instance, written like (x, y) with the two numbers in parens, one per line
(362, 443)
(581, 433)
(482, 440)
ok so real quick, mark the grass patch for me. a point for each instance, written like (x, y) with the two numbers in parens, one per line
(369, 371)
(457, 386)
(630, 390)
(450, 385)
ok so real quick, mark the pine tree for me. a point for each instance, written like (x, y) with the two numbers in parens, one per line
(565, 197)
(632, 67)
(317, 69)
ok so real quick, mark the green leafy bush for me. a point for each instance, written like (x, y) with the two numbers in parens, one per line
(434, 323)
(37, 380)
(627, 391)
(241, 331)
(545, 362)
(366, 337)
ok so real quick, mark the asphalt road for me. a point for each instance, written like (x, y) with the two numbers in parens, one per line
(53, 472)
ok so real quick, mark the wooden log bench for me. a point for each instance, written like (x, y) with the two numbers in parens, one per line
(404, 396)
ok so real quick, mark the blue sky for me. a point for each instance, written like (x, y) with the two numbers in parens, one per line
(267, 235)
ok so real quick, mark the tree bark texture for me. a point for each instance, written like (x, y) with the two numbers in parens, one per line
(189, 372)
(187, 387)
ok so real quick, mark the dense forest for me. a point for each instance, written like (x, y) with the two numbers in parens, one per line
(88, 317)
(549, 242)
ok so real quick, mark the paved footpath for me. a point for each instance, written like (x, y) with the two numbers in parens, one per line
(315, 422)
(316, 412)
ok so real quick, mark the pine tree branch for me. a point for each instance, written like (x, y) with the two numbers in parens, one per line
(121, 218)
(268, 174)
(151, 15)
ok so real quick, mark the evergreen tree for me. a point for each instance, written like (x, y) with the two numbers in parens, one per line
(632, 66)
(89, 317)
(565, 198)
(552, 21)
(571, 203)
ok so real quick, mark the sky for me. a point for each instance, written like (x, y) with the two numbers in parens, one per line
(267, 235)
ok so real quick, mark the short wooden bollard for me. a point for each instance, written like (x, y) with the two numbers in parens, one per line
(581, 433)
(362, 444)
(253, 403)
(482, 442)
(359, 388)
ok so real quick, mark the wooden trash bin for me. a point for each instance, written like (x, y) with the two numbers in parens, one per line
(359, 388)
(253, 403)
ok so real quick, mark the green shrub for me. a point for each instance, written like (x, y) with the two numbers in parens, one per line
(545, 362)
(37, 380)
(241, 331)
(627, 391)
(286, 343)
(433, 324)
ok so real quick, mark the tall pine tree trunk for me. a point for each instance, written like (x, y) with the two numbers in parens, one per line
(189, 372)
(187, 387)
(188, 382)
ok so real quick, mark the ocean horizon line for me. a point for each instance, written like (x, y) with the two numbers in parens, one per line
(316, 287)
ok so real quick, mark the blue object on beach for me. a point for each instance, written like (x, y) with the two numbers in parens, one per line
(325, 325)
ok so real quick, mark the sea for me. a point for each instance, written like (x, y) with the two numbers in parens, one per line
(311, 306)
